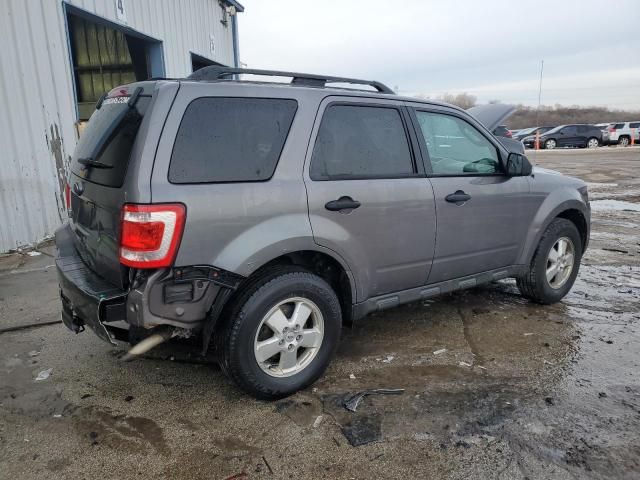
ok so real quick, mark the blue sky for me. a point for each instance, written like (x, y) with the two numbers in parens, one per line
(488, 48)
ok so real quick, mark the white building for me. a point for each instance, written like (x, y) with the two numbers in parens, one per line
(58, 57)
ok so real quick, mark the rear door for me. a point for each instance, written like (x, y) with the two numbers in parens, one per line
(96, 182)
(483, 215)
(369, 200)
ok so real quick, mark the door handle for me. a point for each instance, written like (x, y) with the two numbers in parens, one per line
(343, 203)
(459, 197)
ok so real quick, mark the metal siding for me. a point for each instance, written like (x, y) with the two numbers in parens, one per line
(37, 121)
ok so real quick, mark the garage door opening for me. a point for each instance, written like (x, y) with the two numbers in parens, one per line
(105, 55)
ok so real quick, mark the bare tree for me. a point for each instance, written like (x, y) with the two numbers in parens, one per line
(462, 100)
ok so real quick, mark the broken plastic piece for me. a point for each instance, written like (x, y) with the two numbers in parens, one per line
(438, 352)
(44, 374)
(352, 402)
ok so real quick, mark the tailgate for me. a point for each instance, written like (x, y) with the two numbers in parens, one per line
(98, 170)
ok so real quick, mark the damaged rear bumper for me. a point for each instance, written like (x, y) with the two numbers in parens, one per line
(182, 297)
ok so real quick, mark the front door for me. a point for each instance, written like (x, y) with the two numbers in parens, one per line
(369, 200)
(482, 214)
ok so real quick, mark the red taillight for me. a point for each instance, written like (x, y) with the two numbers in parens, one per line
(150, 234)
(508, 134)
(611, 129)
(67, 196)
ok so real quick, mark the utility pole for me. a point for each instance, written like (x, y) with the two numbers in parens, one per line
(537, 145)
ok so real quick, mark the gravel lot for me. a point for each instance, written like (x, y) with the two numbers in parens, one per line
(496, 387)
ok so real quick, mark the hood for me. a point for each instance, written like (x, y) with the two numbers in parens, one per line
(492, 115)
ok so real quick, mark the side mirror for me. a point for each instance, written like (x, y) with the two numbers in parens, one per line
(518, 165)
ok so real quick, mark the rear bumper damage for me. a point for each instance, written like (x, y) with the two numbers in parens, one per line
(183, 297)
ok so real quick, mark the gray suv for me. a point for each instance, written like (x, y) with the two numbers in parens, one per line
(257, 218)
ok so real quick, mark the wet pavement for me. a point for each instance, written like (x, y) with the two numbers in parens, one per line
(495, 387)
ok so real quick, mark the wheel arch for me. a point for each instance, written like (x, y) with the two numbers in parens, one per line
(573, 210)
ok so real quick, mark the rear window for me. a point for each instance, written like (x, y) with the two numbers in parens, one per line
(357, 142)
(634, 125)
(230, 139)
(103, 150)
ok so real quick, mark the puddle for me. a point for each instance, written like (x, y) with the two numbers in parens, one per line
(125, 433)
(614, 205)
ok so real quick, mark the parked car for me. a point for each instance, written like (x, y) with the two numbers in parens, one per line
(531, 131)
(621, 133)
(502, 131)
(576, 135)
(259, 217)
(604, 128)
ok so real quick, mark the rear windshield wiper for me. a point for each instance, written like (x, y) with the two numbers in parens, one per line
(89, 162)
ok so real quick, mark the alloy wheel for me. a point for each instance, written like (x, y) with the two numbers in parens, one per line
(560, 261)
(289, 337)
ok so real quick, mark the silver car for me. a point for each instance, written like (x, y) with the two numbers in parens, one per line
(259, 217)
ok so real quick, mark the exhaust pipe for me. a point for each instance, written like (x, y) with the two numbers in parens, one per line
(161, 335)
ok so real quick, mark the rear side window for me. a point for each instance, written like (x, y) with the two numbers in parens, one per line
(634, 125)
(618, 125)
(356, 142)
(230, 139)
(103, 151)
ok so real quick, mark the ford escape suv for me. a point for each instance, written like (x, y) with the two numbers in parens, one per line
(257, 217)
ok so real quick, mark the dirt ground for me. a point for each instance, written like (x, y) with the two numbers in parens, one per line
(495, 387)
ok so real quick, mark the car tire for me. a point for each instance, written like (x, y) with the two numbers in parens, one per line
(248, 319)
(592, 142)
(623, 141)
(535, 284)
(550, 144)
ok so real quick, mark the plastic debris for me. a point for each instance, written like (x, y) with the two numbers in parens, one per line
(388, 359)
(352, 376)
(438, 352)
(464, 364)
(352, 402)
(34, 254)
(44, 374)
(528, 334)
(318, 421)
(34, 353)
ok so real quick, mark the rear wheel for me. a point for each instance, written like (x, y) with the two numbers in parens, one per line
(623, 141)
(280, 334)
(555, 264)
(550, 144)
(593, 143)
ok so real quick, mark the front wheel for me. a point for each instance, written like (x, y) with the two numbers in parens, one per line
(593, 143)
(550, 144)
(555, 264)
(280, 334)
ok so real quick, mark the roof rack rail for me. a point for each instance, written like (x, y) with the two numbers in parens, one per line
(215, 72)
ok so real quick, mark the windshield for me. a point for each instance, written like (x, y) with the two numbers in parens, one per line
(526, 131)
(103, 151)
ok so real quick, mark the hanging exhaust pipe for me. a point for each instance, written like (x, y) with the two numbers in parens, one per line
(161, 335)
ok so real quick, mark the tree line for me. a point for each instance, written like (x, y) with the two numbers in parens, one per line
(526, 116)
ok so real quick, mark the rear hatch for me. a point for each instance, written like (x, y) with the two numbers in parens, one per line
(97, 178)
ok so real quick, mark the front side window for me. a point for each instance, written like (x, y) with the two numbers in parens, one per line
(455, 147)
(571, 130)
(230, 139)
(357, 142)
